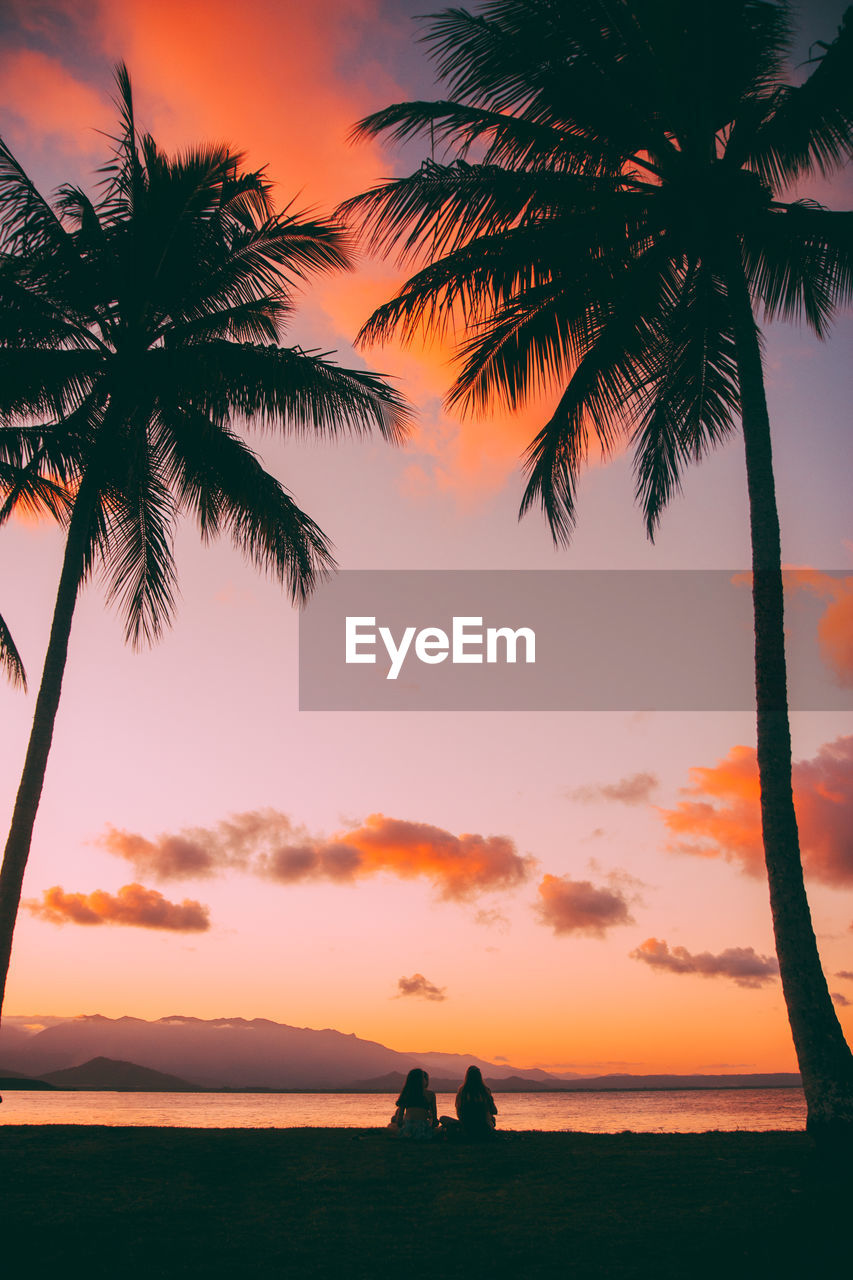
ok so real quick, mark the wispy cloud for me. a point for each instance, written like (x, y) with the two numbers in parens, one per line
(491, 918)
(742, 964)
(637, 788)
(133, 905)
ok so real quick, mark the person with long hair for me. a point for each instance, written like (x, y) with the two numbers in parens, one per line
(475, 1105)
(416, 1115)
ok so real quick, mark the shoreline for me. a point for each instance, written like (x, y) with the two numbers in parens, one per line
(11, 1085)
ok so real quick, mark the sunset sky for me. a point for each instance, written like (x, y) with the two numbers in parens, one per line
(581, 891)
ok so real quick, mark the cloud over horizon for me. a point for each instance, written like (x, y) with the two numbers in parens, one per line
(268, 844)
(420, 987)
(721, 817)
(742, 964)
(579, 906)
(133, 905)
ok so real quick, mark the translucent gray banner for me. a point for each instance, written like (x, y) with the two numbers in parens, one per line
(565, 640)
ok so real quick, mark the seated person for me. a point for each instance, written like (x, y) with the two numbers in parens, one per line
(475, 1106)
(416, 1115)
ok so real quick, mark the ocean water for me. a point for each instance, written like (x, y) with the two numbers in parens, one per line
(658, 1111)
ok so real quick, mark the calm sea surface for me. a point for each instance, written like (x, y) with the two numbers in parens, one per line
(664, 1111)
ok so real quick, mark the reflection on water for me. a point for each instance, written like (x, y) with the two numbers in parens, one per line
(663, 1111)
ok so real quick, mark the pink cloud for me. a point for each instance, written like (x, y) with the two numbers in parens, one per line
(742, 964)
(578, 906)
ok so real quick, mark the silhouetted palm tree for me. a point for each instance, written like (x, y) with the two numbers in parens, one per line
(137, 332)
(608, 212)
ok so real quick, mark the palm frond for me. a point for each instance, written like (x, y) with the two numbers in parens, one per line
(283, 387)
(28, 489)
(602, 393)
(10, 659)
(44, 383)
(513, 56)
(139, 517)
(123, 180)
(259, 321)
(222, 481)
(204, 272)
(504, 139)
(799, 262)
(28, 224)
(688, 393)
(810, 126)
(440, 208)
(542, 331)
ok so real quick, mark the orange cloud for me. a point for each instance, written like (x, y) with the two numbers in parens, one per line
(721, 816)
(459, 866)
(578, 906)
(835, 628)
(266, 843)
(285, 82)
(420, 986)
(469, 456)
(742, 964)
(132, 905)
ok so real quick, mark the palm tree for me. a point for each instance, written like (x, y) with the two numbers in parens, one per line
(608, 210)
(137, 331)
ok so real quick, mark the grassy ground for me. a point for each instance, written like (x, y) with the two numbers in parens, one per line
(356, 1203)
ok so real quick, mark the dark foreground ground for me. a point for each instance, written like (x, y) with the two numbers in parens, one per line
(356, 1203)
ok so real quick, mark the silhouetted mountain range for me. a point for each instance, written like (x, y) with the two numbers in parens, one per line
(178, 1053)
(125, 1077)
(224, 1052)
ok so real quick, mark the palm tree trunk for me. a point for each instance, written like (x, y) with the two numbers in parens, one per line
(32, 779)
(826, 1063)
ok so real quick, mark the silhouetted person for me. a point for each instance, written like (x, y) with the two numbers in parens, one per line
(475, 1106)
(416, 1116)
